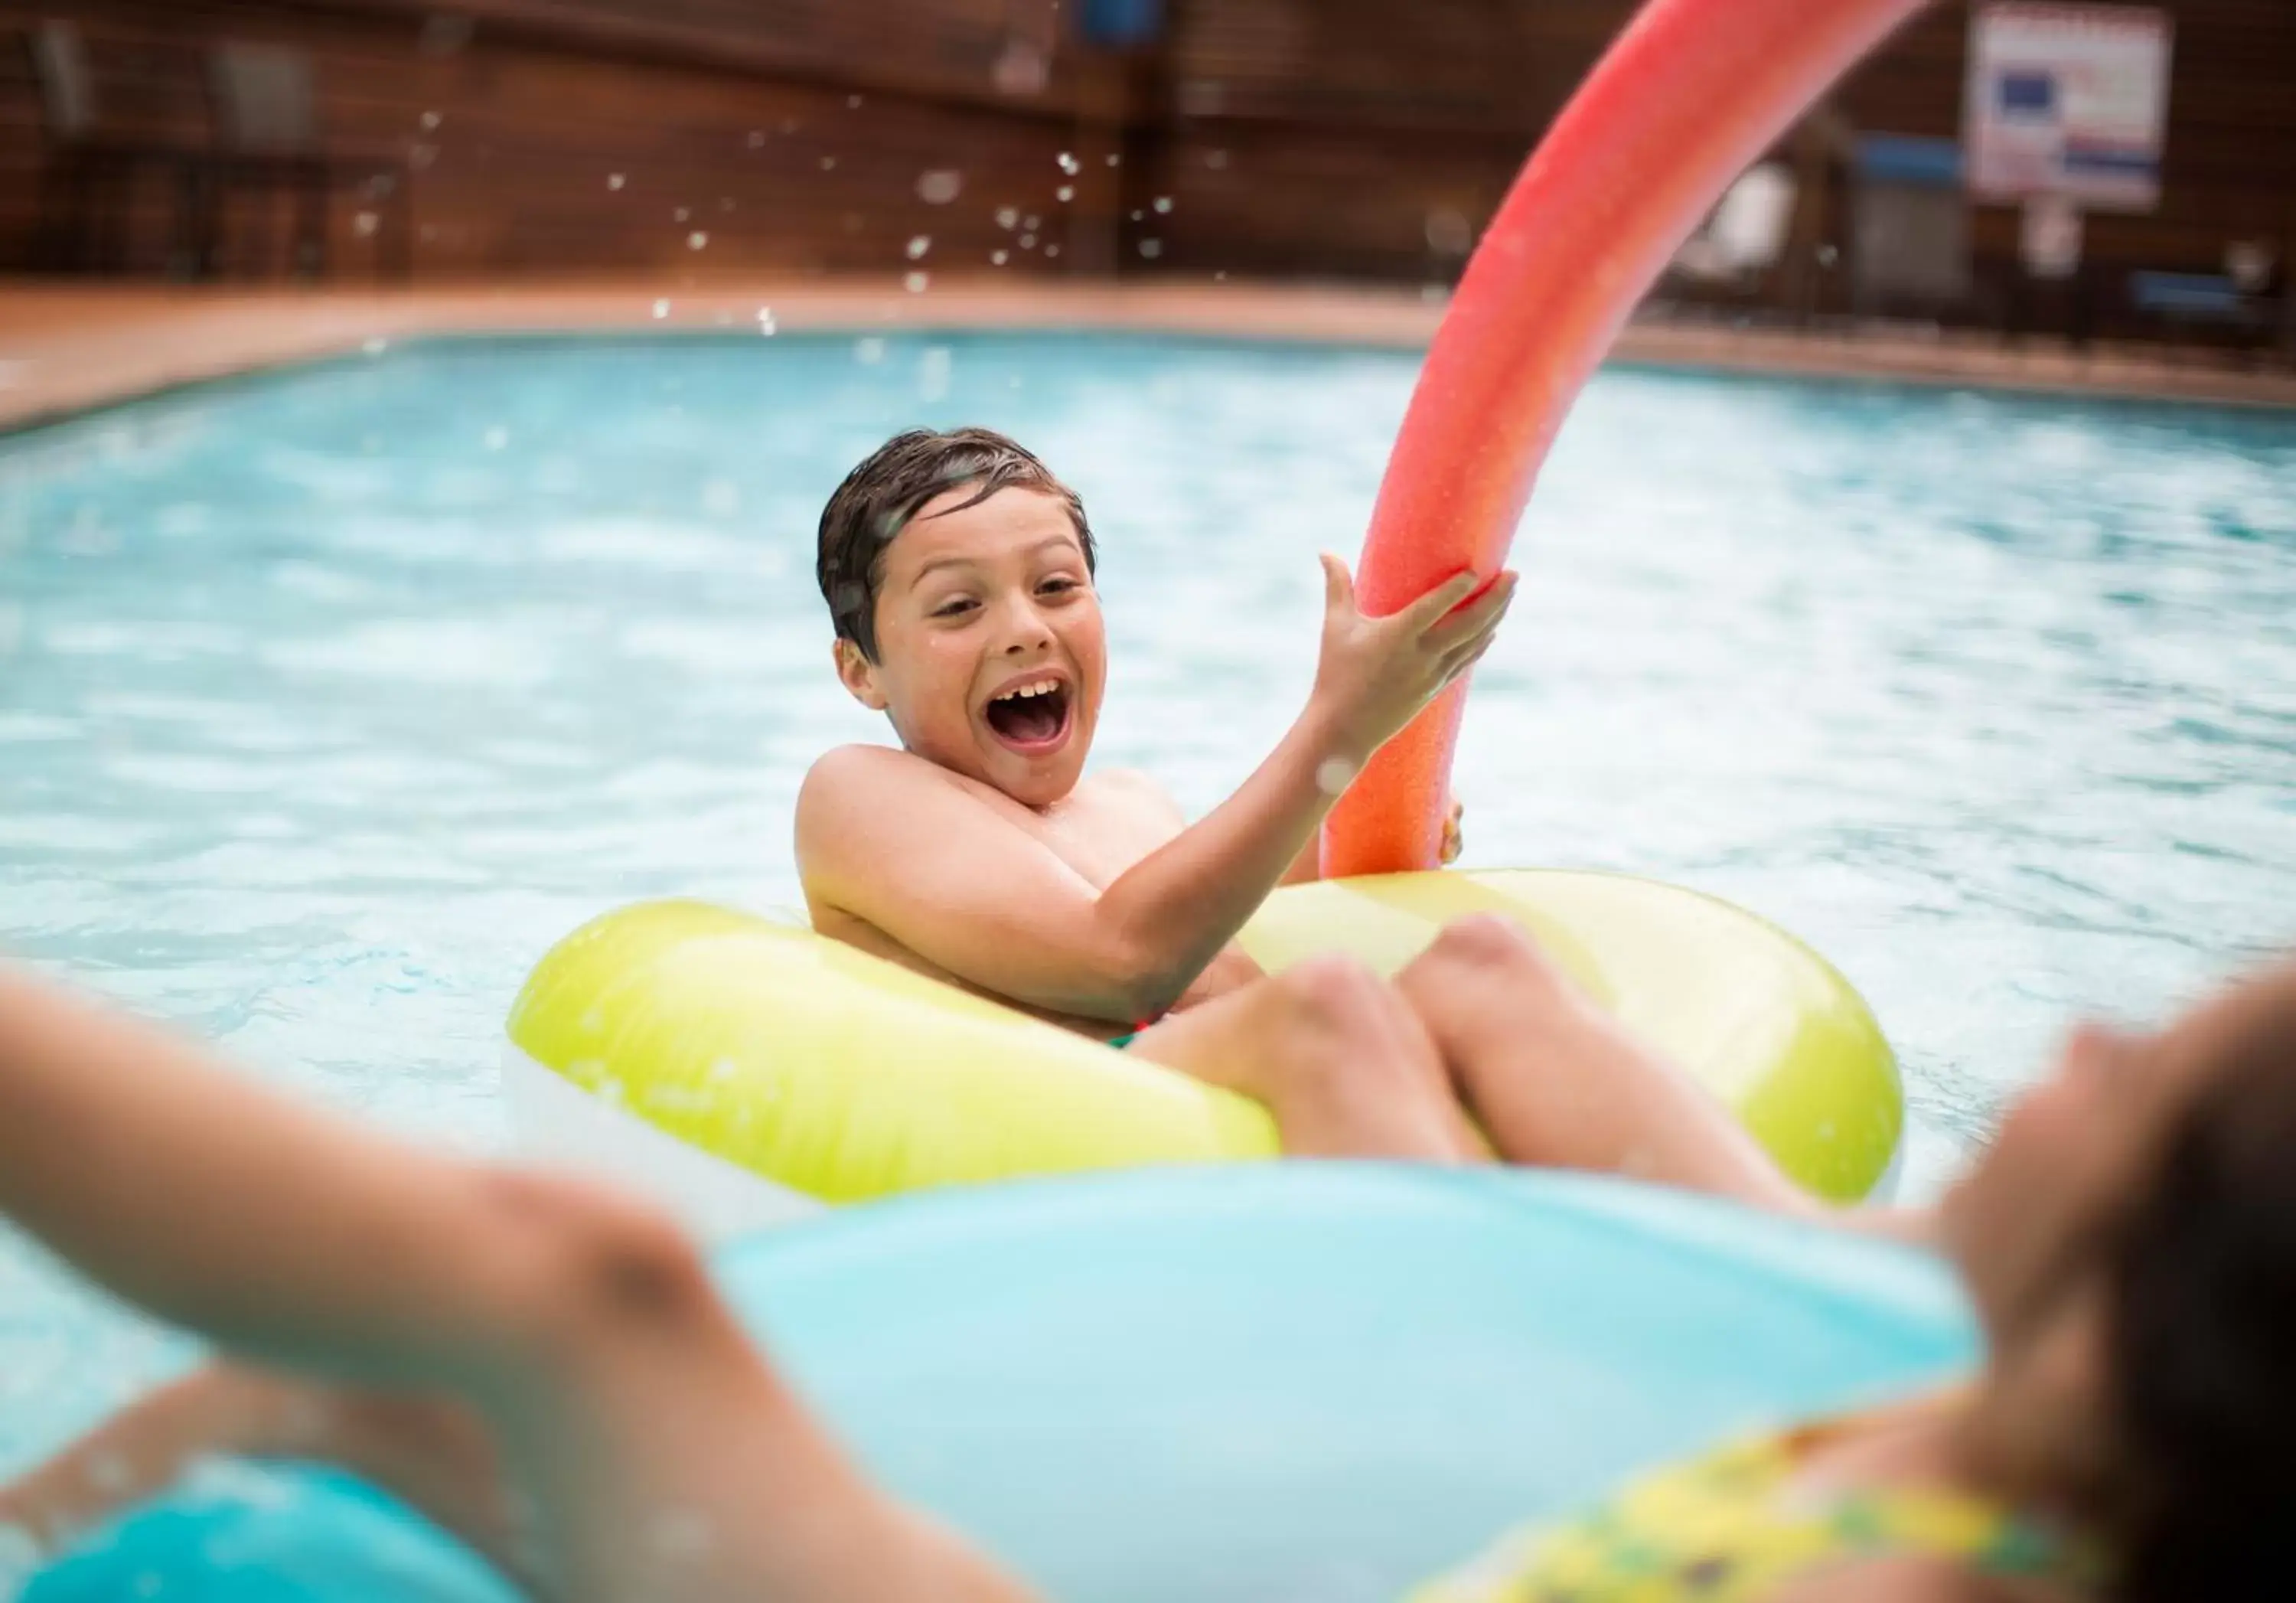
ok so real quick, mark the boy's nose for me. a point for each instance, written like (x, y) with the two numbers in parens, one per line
(1026, 629)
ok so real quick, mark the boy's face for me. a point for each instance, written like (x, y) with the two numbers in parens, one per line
(991, 652)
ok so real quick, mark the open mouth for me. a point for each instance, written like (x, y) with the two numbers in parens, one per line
(1031, 716)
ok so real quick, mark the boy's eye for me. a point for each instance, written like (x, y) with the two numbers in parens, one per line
(1058, 587)
(956, 608)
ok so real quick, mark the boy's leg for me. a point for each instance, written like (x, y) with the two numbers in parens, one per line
(1555, 1080)
(662, 1456)
(1334, 1053)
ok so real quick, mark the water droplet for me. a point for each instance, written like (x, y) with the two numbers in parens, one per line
(1028, 241)
(828, 163)
(915, 283)
(933, 371)
(681, 214)
(1151, 248)
(1031, 222)
(375, 345)
(1448, 232)
(998, 258)
(1220, 276)
(940, 185)
(1164, 203)
(681, 1534)
(757, 139)
(1215, 159)
(1333, 775)
(497, 438)
(1139, 215)
(918, 245)
(614, 180)
(696, 239)
(1065, 193)
(662, 308)
(363, 225)
(1069, 163)
(1052, 250)
(1007, 217)
(852, 102)
(1114, 159)
(432, 119)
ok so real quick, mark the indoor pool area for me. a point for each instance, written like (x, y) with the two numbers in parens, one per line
(330, 697)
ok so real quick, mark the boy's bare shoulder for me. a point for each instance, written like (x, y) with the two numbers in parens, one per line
(866, 764)
(847, 777)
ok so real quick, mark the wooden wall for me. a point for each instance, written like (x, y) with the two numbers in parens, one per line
(1319, 137)
(515, 133)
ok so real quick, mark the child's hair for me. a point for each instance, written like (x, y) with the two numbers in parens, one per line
(880, 496)
(2203, 1322)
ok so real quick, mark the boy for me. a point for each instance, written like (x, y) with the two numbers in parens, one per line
(959, 578)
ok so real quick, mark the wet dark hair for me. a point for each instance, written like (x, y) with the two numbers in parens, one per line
(2201, 1364)
(880, 496)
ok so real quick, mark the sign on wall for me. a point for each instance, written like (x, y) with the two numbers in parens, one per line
(2068, 101)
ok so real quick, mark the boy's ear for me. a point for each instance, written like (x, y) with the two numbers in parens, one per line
(859, 675)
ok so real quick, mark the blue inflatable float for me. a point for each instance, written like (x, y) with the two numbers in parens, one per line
(1225, 1384)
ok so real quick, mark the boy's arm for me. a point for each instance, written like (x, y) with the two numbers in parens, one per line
(1307, 867)
(886, 839)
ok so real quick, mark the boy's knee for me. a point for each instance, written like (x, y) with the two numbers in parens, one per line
(1329, 989)
(1354, 1032)
(1491, 938)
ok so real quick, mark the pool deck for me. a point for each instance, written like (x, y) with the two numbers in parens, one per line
(64, 349)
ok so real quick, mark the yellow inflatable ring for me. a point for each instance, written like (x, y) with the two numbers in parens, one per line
(836, 1077)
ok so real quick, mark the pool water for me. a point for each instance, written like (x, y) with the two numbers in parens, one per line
(329, 699)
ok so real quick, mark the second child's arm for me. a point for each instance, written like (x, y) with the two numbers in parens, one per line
(580, 1326)
(907, 849)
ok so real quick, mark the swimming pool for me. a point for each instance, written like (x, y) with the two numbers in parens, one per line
(329, 699)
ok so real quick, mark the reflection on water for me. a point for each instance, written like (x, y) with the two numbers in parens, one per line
(327, 701)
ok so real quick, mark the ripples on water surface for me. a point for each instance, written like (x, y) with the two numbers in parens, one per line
(327, 700)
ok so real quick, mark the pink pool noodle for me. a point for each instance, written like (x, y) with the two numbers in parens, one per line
(1689, 94)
